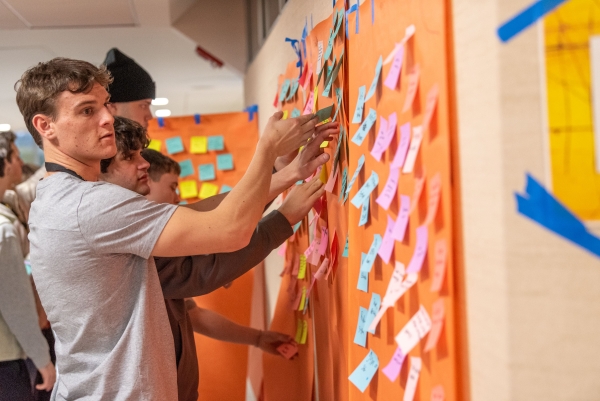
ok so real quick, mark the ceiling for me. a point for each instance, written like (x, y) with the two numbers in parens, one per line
(32, 31)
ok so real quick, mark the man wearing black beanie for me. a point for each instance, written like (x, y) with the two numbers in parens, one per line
(132, 89)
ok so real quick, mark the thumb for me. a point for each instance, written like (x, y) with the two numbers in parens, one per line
(314, 164)
(278, 115)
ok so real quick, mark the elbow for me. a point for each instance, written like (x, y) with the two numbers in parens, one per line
(238, 239)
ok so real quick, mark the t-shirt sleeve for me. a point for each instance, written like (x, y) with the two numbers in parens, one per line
(113, 219)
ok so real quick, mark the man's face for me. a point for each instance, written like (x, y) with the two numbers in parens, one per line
(138, 111)
(129, 171)
(164, 190)
(83, 126)
(13, 169)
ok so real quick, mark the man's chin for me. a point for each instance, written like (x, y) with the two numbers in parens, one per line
(143, 189)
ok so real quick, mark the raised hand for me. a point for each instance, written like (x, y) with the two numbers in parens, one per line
(270, 340)
(301, 199)
(284, 136)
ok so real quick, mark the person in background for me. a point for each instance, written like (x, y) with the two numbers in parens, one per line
(20, 335)
(150, 173)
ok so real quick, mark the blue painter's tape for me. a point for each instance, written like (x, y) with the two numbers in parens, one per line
(161, 122)
(197, 118)
(252, 110)
(526, 18)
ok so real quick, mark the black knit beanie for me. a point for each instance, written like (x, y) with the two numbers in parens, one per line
(131, 82)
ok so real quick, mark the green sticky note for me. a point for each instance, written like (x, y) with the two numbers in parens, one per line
(224, 162)
(216, 142)
(225, 188)
(324, 114)
(187, 168)
(174, 145)
(207, 172)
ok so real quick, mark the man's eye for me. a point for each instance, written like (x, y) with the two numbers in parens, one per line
(88, 111)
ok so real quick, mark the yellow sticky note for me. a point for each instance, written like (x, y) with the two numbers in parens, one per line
(304, 332)
(198, 145)
(315, 96)
(323, 177)
(285, 115)
(303, 299)
(325, 144)
(207, 190)
(188, 189)
(302, 267)
(298, 336)
(155, 144)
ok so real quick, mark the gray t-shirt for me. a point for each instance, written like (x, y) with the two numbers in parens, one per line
(90, 258)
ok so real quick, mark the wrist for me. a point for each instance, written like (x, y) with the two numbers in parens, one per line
(257, 340)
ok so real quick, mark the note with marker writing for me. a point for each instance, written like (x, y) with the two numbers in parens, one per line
(413, 378)
(403, 216)
(439, 269)
(374, 307)
(363, 374)
(419, 185)
(198, 145)
(225, 162)
(302, 267)
(155, 144)
(363, 194)
(363, 276)
(174, 145)
(361, 162)
(188, 189)
(288, 350)
(365, 128)
(432, 98)
(345, 252)
(216, 142)
(400, 155)
(389, 191)
(413, 86)
(207, 190)
(308, 108)
(393, 368)
(437, 318)
(360, 336)
(358, 112)
(364, 213)
(383, 125)
(367, 264)
(435, 192)
(416, 328)
(320, 58)
(324, 240)
(206, 172)
(391, 81)
(387, 245)
(413, 150)
(384, 138)
(373, 86)
(416, 262)
(186, 167)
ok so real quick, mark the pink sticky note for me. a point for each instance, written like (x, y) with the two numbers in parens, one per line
(400, 155)
(378, 148)
(282, 249)
(439, 270)
(402, 221)
(413, 85)
(419, 184)
(315, 256)
(307, 79)
(416, 262)
(437, 319)
(288, 350)
(387, 245)
(437, 393)
(322, 269)
(332, 180)
(324, 240)
(308, 108)
(310, 248)
(432, 98)
(391, 81)
(392, 370)
(389, 191)
(435, 191)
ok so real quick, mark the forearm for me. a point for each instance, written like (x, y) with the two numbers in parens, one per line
(281, 181)
(214, 325)
(208, 204)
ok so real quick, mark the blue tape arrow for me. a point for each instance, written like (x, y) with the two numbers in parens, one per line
(526, 18)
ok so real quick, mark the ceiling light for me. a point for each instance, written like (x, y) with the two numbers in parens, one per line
(163, 113)
(160, 101)
(4, 127)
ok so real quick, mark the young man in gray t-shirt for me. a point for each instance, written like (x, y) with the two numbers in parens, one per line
(91, 242)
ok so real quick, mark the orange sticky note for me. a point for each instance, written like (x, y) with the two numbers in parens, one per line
(437, 393)
(188, 189)
(288, 350)
(435, 191)
(437, 319)
(413, 85)
(207, 190)
(304, 332)
(439, 269)
(155, 144)
(419, 184)
(198, 145)
(432, 98)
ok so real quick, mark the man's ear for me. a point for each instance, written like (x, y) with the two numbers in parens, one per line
(43, 125)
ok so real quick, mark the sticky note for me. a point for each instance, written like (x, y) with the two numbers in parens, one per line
(387, 245)
(419, 184)
(288, 350)
(188, 189)
(296, 113)
(432, 98)
(387, 196)
(174, 145)
(324, 241)
(437, 319)
(298, 336)
(363, 194)
(308, 108)
(315, 97)
(285, 115)
(225, 188)
(416, 262)
(206, 172)
(324, 113)
(187, 168)
(155, 144)
(329, 44)
(302, 299)
(345, 252)
(416, 328)
(413, 150)
(361, 162)
(297, 226)
(302, 269)
(413, 86)
(402, 221)
(293, 90)
(198, 145)
(387, 132)
(301, 265)
(435, 192)
(365, 127)
(284, 90)
(439, 270)
(207, 190)
(338, 95)
(216, 142)
(373, 86)
(307, 78)
(304, 336)
(363, 280)
(393, 368)
(400, 155)
(225, 162)
(322, 270)
(320, 57)
(413, 378)
(364, 213)
(372, 311)
(364, 372)
(344, 182)
(367, 264)
(358, 112)
(333, 76)
(391, 81)
(311, 247)
(437, 393)
(360, 336)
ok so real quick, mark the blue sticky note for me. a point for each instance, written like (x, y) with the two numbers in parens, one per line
(329, 45)
(363, 194)
(363, 277)
(284, 90)
(293, 90)
(297, 226)
(526, 18)
(358, 112)
(187, 168)
(225, 188)
(296, 113)
(207, 172)
(360, 337)
(373, 309)
(345, 253)
(361, 162)
(338, 94)
(344, 182)
(364, 213)
(363, 374)
(183, 202)
(216, 142)
(365, 127)
(375, 79)
(174, 145)
(367, 264)
(225, 162)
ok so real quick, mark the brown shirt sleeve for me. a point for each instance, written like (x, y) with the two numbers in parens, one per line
(192, 276)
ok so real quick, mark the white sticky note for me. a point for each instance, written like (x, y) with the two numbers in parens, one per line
(413, 150)
(416, 328)
(413, 378)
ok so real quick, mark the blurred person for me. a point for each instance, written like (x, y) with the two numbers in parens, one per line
(20, 335)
